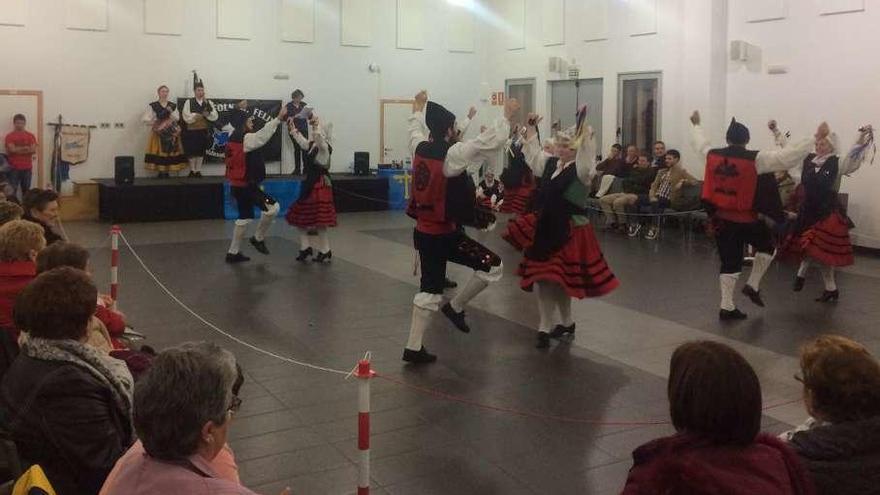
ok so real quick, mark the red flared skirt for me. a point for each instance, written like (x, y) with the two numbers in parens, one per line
(520, 231)
(517, 200)
(579, 267)
(827, 241)
(317, 210)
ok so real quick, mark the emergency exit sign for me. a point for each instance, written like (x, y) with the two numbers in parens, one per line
(497, 99)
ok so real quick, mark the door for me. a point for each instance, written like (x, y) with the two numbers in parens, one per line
(639, 109)
(394, 138)
(567, 96)
(524, 92)
(29, 104)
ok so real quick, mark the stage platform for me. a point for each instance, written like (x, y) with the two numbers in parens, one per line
(155, 200)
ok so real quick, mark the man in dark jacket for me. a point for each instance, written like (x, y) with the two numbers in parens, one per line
(41, 207)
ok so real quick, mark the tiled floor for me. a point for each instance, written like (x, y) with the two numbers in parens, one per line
(298, 427)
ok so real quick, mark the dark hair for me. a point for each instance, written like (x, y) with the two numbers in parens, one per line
(617, 146)
(57, 304)
(37, 199)
(19, 116)
(297, 93)
(62, 253)
(674, 153)
(644, 153)
(659, 142)
(185, 388)
(843, 378)
(714, 393)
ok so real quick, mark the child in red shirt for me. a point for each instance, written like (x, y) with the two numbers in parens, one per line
(21, 146)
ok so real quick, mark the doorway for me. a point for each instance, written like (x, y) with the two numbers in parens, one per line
(30, 104)
(524, 92)
(565, 98)
(639, 109)
(394, 138)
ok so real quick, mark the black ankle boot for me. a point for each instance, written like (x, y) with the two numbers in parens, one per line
(829, 296)
(734, 314)
(543, 340)
(561, 331)
(421, 356)
(754, 295)
(304, 255)
(260, 246)
(322, 257)
(799, 284)
(457, 319)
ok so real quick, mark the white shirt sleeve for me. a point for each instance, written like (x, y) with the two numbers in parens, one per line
(480, 149)
(780, 138)
(464, 124)
(254, 140)
(699, 141)
(778, 160)
(214, 114)
(853, 160)
(299, 138)
(418, 131)
(323, 156)
(149, 116)
(534, 154)
(585, 160)
(188, 116)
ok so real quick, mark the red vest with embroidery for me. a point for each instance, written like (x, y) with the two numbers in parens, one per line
(236, 168)
(730, 183)
(428, 202)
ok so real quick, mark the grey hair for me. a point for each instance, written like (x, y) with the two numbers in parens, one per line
(186, 387)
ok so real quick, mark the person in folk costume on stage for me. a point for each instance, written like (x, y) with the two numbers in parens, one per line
(199, 114)
(164, 152)
(314, 210)
(443, 198)
(298, 117)
(490, 192)
(739, 185)
(245, 170)
(820, 232)
(562, 259)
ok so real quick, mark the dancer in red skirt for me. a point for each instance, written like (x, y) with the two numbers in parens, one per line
(313, 211)
(562, 257)
(517, 179)
(821, 229)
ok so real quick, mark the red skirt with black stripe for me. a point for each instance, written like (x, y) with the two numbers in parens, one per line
(317, 210)
(579, 267)
(826, 241)
(520, 231)
(517, 200)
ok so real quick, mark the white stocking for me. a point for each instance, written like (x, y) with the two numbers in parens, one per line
(759, 268)
(323, 240)
(546, 305)
(802, 270)
(828, 278)
(727, 281)
(238, 235)
(304, 242)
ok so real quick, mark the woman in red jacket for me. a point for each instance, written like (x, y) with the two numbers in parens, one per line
(715, 404)
(20, 241)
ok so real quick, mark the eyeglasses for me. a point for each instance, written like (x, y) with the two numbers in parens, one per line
(235, 406)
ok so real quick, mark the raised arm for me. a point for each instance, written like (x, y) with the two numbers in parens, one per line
(318, 134)
(297, 136)
(532, 150)
(466, 122)
(859, 153)
(482, 148)
(255, 140)
(792, 155)
(418, 129)
(699, 141)
(585, 159)
(780, 138)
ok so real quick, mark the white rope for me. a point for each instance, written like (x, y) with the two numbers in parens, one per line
(218, 329)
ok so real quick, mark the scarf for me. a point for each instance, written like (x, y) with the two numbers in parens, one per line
(110, 371)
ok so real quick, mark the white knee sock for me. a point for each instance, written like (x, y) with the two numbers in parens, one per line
(323, 240)
(727, 281)
(304, 241)
(237, 236)
(759, 268)
(563, 302)
(802, 270)
(473, 287)
(421, 317)
(828, 278)
(546, 305)
(266, 219)
(197, 166)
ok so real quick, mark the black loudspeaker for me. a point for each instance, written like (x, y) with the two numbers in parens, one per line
(361, 163)
(123, 171)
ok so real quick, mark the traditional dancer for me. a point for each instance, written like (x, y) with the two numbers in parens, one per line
(298, 114)
(245, 170)
(164, 152)
(562, 260)
(490, 192)
(820, 233)
(443, 198)
(517, 179)
(740, 184)
(199, 114)
(314, 210)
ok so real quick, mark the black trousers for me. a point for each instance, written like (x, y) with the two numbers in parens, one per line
(436, 250)
(732, 238)
(248, 197)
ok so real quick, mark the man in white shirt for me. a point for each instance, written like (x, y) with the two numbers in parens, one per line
(199, 114)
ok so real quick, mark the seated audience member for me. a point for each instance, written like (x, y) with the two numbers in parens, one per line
(9, 211)
(20, 242)
(715, 404)
(490, 192)
(638, 184)
(840, 443)
(659, 159)
(41, 206)
(184, 406)
(616, 169)
(664, 192)
(67, 405)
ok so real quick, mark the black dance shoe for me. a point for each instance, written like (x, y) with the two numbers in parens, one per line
(561, 331)
(754, 295)
(421, 356)
(457, 319)
(449, 284)
(236, 258)
(324, 257)
(543, 340)
(799, 284)
(304, 255)
(829, 296)
(191, 174)
(259, 245)
(735, 314)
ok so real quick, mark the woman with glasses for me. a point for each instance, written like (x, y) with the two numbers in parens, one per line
(840, 442)
(184, 406)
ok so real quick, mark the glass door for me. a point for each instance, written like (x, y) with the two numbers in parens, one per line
(524, 91)
(639, 109)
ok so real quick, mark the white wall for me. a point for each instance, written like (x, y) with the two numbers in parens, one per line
(93, 77)
(834, 73)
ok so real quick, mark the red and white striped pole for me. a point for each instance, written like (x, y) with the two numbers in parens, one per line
(364, 374)
(114, 263)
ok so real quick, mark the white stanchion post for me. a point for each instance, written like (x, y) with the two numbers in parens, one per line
(114, 263)
(364, 374)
